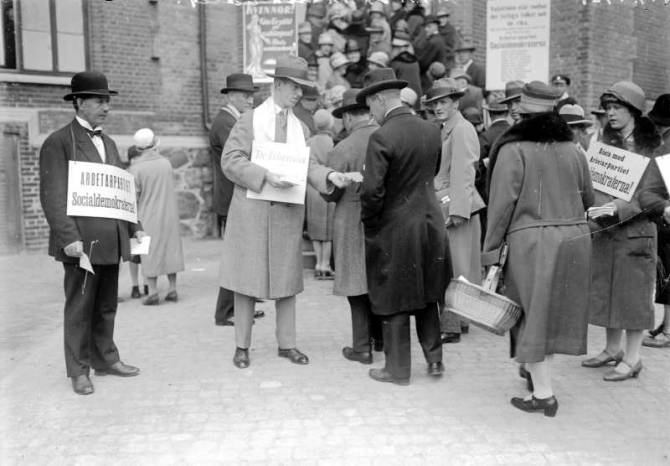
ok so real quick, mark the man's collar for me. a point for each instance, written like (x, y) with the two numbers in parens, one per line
(86, 124)
(231, 108)
(499, 119)
(391, 109)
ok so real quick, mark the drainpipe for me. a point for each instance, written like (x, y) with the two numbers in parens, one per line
(202, 40)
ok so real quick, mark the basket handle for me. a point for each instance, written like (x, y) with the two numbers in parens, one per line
(495, 271)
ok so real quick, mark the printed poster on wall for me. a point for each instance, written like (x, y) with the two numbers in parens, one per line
(270, 31)
(517, 41)
(615, 171)
(291, 162)
(99, 190)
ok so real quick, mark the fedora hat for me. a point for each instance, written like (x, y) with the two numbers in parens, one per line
(239, 82)
(349, 103)
(560, 78)
(495, 105)
(292, 68)
(305, 28)
(660, 114)
(573, 115)
(444, 87)
(145, 139)
(465, 45)
(317, 10)
(512, 91)
(460, 74)
(89, 83)
(379, 80)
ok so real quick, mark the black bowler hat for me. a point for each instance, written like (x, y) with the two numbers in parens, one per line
(660, 114)
(239, 82)
(349, 103)
(89, 83)
(379, 80)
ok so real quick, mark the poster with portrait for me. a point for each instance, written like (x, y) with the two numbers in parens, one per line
(517, 41)
(270, 31)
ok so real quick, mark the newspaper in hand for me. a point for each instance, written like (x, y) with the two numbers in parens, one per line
(601, 211)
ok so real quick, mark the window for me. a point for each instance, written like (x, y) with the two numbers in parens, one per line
(43, 36)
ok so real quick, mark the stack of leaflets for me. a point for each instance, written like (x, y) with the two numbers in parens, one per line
(601, 211)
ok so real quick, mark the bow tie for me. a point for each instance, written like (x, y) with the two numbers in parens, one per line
(94, 132)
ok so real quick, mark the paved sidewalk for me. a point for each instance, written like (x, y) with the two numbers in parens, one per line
(190, 405)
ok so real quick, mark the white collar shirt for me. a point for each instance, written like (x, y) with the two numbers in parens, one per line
(97, 140)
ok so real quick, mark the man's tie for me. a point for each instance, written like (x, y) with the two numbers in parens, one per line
(280, 126)
(94, 132)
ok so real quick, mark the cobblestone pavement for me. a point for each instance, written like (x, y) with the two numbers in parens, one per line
(190, 405)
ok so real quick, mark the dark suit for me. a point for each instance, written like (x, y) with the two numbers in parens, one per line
(406, 247)
(430, 49)
(222, 195)
(486, 140)
(89, 314)
(478, 75)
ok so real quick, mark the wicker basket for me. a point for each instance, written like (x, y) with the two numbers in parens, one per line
(484, 308)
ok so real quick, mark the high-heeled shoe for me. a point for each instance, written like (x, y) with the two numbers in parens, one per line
(631, 373)
(603, 359)
(548, 405)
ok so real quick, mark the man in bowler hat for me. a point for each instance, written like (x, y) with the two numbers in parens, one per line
(406, 248)
(239, 92)
(262, 256)
(90, 299)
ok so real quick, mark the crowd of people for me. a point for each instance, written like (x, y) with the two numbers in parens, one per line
(417, 175)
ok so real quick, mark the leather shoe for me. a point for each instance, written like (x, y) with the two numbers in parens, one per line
(382, 375)
(631, 372)
(548, 405)
(603, 359)
(241, 358)
(151, 300)
(82, 385)
(378, 345)
(364, 357)
(450, 337)
(172, 296)
(135, 292)
(435, 369)
(259, 314)
(225, 323)
(120, 369)
(293, 355)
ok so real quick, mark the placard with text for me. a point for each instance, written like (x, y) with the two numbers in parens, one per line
(290, 162)
(615, 171)
(99, 190)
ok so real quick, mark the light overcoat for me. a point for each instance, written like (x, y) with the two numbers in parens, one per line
(262, 244)
(540, 189)
(319, 212)
(348, 234)
(157, 209)
(406, 248)
(456, 179)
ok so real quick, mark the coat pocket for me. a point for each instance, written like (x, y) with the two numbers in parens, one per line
(640, 246)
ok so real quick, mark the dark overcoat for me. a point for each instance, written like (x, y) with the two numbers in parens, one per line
(112, 236)
(406, 247)
(624, 250)
(540, 189)
(348, 235)
(478, 74)
(222, 187)
(406, 67)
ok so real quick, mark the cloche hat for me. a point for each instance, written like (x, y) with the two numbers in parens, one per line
(627, 93)
(537, 97)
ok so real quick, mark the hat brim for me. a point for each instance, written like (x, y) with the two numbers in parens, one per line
(509, 99)
(378, 87)
(340, 111)
(156, 143)
(598, 112)
(454, 94)
(226, 90)
(465, 49)
(579, 122)
(659, 120)
(495, 109)
(99, 92)
(298, 81)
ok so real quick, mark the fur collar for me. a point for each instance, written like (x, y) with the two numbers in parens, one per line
(544, 127)
(645, 135)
